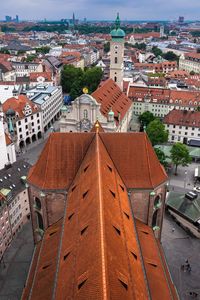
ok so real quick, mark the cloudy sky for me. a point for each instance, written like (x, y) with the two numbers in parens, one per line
(101, 9)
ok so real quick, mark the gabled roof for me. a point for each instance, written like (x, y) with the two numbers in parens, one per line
(183, 117)
(109, 96)
(99, 253)
(132, 153)
(18, 104)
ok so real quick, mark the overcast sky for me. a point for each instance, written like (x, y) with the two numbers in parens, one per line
(101, 9)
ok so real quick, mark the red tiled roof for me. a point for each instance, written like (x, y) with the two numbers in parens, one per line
(192, 55)
(109, 96)
(183, 117)
(101, 253)
(56, 170)
(18, 104)
(173, 97)
(47, 75)
(8, 139)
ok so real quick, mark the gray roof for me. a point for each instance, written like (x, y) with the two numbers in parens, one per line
(187, 208)
(17, 46)
(10, 179)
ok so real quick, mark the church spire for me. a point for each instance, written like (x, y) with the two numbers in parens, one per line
(117, 22)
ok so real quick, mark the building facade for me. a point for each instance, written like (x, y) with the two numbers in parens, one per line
(14, 202)
(183, 125)
(108, 104)
(49, 99)
(24, 120)
(161, 101)
(190, 62)
(117, 54)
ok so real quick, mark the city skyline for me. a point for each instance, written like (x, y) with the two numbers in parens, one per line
(101, 10)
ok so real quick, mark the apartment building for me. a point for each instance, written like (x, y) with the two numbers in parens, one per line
(161, 101)
(190, 62)
(183, 125)
(49, 99)
(14, 202)
(24, 120)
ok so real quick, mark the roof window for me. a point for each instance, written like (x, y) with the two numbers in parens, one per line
(126, 215)
(84, 194)
(73, 188)
(52, 233)
(70, 216)
(117, 230)
(124, 284)
(45, 267)
(86, 168)
(113, 194)
(134, 255)
(81, 284)
(84, 230)
(66, 255)
(121, 187)
(153, 265)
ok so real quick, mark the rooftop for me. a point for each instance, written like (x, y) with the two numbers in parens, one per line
(98, 250)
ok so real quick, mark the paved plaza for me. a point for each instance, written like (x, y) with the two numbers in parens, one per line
(15, 264)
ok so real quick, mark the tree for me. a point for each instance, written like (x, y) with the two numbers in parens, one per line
(107, 47)
(146, 118)
(156, 132)
(170, 55)
(43, 50)
(161, 157)
(141, 46)
(69, 75)
(92, 78)
(192, 73)
(73, 80)
(180, 155)
(156, 51)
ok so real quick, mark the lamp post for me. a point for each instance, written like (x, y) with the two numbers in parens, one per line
(185, 178)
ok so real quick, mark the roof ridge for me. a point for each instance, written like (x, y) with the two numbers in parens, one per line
(49, 142)
(148, 160)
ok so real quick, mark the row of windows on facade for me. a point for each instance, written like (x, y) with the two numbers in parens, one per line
(182, 127)
(27, 132)
(26, 120)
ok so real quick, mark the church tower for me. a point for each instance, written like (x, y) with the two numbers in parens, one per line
(117, 53)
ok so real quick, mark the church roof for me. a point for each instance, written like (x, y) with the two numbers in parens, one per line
(132, 153)
(109, 95)
(99, 251)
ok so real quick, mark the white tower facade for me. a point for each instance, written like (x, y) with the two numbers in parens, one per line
(3, 149)
(117, 54)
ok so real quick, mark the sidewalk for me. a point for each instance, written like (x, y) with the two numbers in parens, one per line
(15, 265)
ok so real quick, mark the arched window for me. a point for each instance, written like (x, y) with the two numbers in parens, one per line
(85, 114)
(115, 78)
(154, 219)
(38, 203)
(40, 221)
(157, 202)
(115, 60)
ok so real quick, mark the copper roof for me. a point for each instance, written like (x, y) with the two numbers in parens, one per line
(100, 252)
(109, 96)
(63, 153)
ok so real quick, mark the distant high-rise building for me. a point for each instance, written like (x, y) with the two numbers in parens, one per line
(181, 19)
(8, 18)
(117, 53)
(17, 18)
(73, 19)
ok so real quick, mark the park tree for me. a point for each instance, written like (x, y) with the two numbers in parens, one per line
(171, 56)
(156, 132)
(180, 155)
(92, 78)
(156, 51)
(69, 75)
(73, 80)
(146, 118)
(161, 157)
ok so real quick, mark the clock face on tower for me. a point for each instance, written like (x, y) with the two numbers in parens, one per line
(116, 47)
